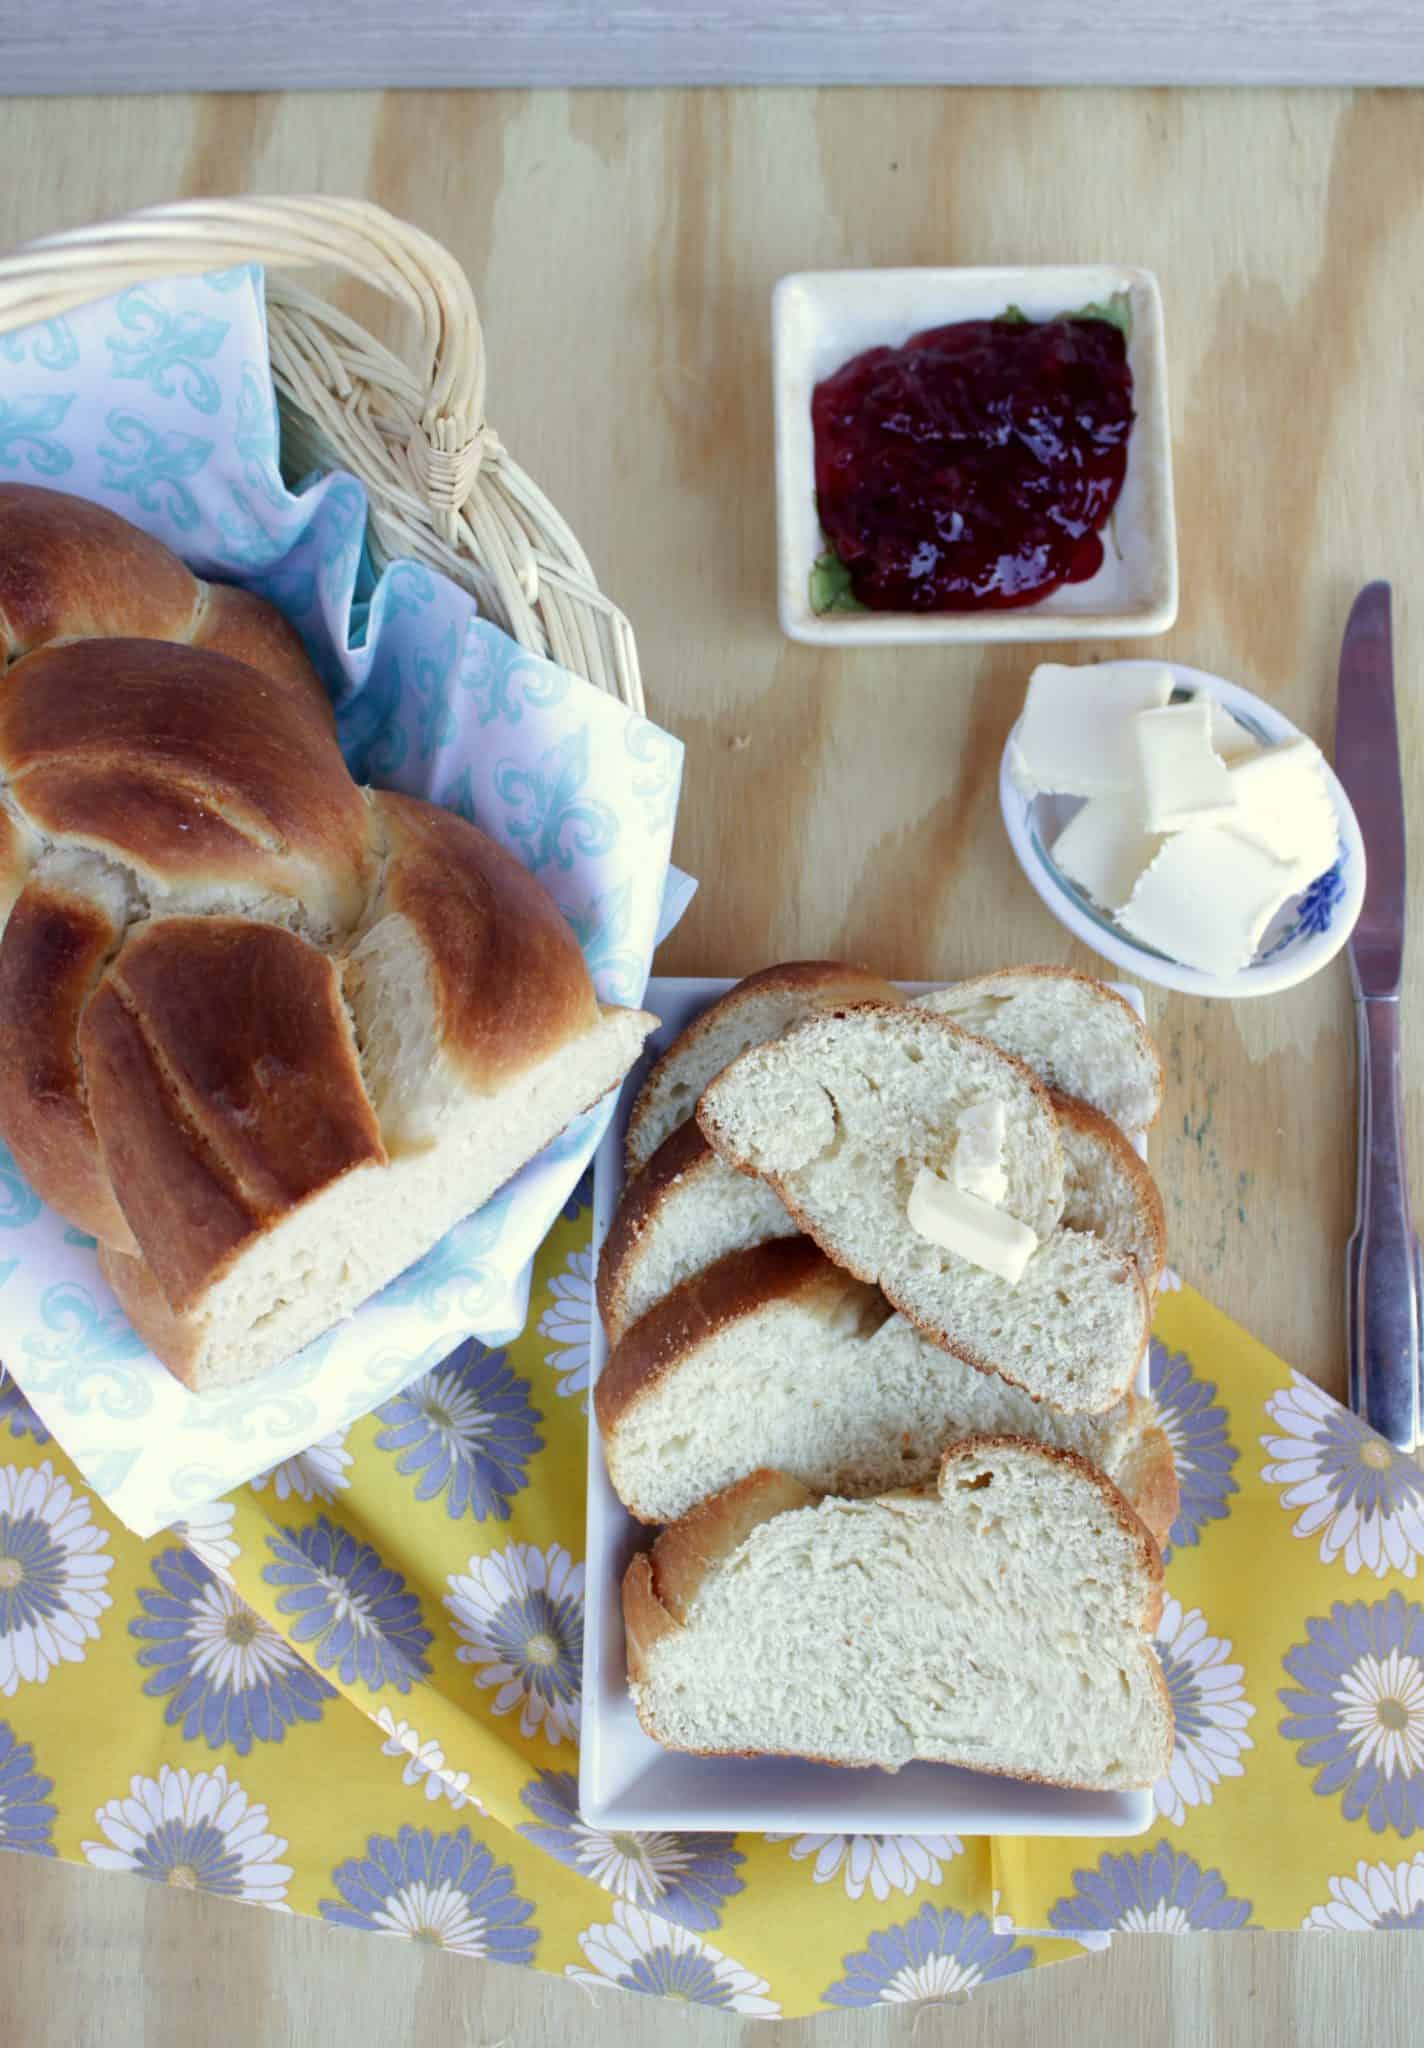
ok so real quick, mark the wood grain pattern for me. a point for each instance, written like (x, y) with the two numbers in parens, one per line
(189, 45)
(624, 248)
(95, 1962)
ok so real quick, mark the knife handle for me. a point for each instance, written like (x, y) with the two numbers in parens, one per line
(1382, 1261)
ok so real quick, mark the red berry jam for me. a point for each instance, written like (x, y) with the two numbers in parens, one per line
(975, 467)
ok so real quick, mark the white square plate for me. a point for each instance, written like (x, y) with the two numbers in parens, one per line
(626, 1780)
(821, 318)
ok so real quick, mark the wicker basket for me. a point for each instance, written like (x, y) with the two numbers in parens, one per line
(441, 487)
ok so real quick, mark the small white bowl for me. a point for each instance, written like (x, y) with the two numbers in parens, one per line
(821, 318)
(1304, 936)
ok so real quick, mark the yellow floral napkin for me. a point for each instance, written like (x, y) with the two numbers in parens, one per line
(353, 1692)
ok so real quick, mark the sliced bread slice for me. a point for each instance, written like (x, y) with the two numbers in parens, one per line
(840, 1114)
(685, 1210)
(1077, 1034)
(775, 1357)
(758, 1008)
(1108, 1190)
(1000, 1619)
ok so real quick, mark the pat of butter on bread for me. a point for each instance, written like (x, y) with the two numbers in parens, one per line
(1184, 781)
(978, 1166)
(960, 1222)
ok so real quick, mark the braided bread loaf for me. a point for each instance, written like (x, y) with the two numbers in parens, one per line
(265, 1034)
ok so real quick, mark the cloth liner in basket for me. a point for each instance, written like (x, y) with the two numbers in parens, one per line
(159, 403)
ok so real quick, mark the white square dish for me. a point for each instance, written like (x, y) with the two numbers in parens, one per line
(821, 318)
(626, 1780)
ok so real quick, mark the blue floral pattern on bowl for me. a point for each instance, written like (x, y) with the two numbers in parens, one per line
(1306, 931)
(1312, 913)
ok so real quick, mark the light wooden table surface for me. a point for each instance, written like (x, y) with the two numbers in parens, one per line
(623, 248)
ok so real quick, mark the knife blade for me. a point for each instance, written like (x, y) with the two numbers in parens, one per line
(1382, 1264)
(1367, 762)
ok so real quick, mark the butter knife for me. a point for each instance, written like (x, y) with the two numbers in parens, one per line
(1382, 1263)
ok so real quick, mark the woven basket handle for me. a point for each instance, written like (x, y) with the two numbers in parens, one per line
(441, 486)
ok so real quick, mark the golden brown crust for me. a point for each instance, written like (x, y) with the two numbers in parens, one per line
(645, 1620)
(55, 946)
(686, 1551)
(16, 853)
(189, 765)
(1147, 1475)
(214, 1085)
(741, 1284)
(71, 570)
(684, 1152)
(247, 629)
(509, 982)
(1100, 988)
(172, 1338)
(1081, 1116)
(824, 984)
(75, 570)
(224, 1086)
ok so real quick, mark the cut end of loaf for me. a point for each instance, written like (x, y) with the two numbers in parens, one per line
(998, 1621)
(316, 1265)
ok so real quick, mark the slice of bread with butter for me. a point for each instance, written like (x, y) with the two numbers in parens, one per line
(686, 1208)
(844, 1113)
(774, 1356)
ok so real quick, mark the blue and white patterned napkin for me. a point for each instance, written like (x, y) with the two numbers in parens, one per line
(159, 404)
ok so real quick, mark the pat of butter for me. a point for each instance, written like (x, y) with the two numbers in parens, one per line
(1283, 805)
(1106, 847)
(1229, 737)
(987, 1237)
(1075, 737)
(1207, 899)
(978, 1164)
(1184, 782)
